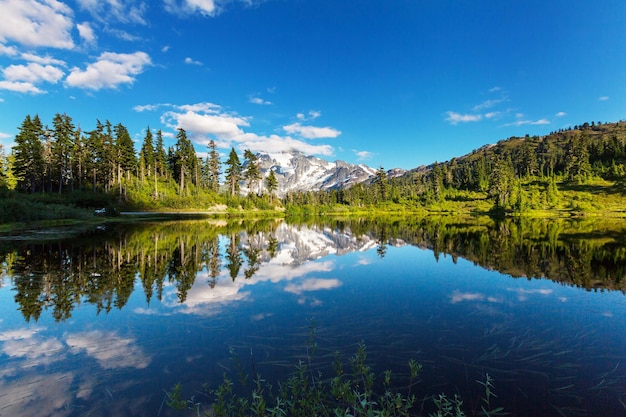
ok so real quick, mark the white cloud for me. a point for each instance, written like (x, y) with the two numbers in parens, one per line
(128, 11)
(8, 50)
(363, 155)
(109, 71)
(529, 122)
(275, 144)
(146, 107)
(487, 104)
(205, 121)
(20, 87)
(204, 7)
(495, 89)
(260, 101)
(454, 118)
(85, 31)
(191, 61)
(311, 132)
(312, 115)
(37, 23)
(44, 60)
(492, 115)
(33, 73)
(561, 114)
(165, 48)
(603, 98)
(2, 134)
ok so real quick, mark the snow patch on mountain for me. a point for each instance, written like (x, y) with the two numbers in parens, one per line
(296, 171)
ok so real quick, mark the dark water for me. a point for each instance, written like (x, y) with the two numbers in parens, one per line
(102, 324)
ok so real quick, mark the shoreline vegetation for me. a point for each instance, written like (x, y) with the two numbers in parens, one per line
(61, 176)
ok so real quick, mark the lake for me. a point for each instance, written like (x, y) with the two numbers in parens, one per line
(104, 323)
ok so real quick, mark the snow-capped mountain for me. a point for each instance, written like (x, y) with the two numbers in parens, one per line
(296, 171)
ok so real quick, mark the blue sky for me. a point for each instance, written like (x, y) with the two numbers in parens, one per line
(392, 83)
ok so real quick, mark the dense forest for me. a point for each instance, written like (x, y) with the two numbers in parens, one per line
(50, 171)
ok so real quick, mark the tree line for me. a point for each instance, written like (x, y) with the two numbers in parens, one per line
(63, 158)
(514, 175)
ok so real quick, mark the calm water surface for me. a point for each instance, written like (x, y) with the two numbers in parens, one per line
(101, 325)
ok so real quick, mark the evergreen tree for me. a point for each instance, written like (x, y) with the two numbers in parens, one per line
(271, 183)
(147, 154)
(126, 157)
(63, 136)
(252, 173)
(502, 182)
(184, 158)
(28, 155)
(160, 156)
(382, 183)
(233, 171)
(213, 167)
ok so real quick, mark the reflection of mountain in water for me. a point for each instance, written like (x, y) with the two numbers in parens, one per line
(103, 268)
(301, 244)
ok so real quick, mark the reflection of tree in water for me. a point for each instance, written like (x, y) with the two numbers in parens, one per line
(102, 269)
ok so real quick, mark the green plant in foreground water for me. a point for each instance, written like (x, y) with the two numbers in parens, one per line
(350, 393)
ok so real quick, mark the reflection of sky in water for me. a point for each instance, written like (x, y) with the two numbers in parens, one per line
(537, 338)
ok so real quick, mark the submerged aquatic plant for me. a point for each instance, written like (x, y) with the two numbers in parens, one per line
(351, 392)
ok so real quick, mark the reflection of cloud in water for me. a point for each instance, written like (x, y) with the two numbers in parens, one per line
(458, 296)
(313, 284)
(37, 395)
(110, 350)
(261, 316)
(26, 344)
(206, 301)
(522, 294)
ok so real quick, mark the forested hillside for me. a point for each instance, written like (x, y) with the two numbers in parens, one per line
(576, 170)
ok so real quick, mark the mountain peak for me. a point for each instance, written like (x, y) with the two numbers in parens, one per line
(296, 171)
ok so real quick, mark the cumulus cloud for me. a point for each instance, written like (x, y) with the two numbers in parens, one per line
(561, 114)
(363, 155)
(603, 98)
(275, 143)
(259, 101)
(203, 7)
(455, 118)
(109, 71)
(44, 60)
(8, 50)
(85, 31)
(20, 87)
(311, 132)
(205, 121)
(33, 73)
(38, 23)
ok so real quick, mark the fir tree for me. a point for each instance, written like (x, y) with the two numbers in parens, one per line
(233, 171)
